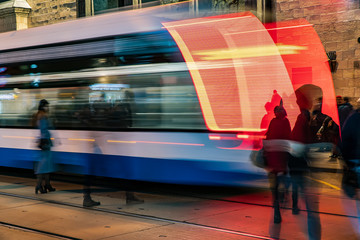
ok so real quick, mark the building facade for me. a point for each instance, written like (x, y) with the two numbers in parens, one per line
(337, 23)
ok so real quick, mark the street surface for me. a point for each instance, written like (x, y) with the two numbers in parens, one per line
(177, 212)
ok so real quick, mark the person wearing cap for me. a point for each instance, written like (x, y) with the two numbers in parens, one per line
(46, 164)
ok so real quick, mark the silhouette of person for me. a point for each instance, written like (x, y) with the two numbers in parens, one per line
(350, 149)
(46, 164)
(276, 156)
(89, 177)
(298, 166)
(265, 121)
(344, 111)
(276, 100)
(86, 118)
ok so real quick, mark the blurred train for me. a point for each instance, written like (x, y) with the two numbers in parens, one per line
(134, 95)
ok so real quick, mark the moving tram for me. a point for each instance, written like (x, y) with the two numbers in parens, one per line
(130, 100)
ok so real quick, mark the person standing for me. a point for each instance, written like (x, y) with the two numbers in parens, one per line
(46, 164)
(277, 156)
(298, 165)
(344, 111)
(266, 119)
(350, 149)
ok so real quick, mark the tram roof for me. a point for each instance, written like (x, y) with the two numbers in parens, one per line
(104, 25)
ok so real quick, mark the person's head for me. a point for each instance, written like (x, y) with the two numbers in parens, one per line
(339, 100)
(280, 112)
(303, 100)
(43, 105)
(268, 106)
(307, 95)
(346, 100)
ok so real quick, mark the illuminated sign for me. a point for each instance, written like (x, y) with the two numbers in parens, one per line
(8, 96)
(108, 87)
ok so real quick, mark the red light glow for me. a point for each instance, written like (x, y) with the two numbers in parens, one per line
(236, 63)
(309, 67)
(241, 136)
(235, 66)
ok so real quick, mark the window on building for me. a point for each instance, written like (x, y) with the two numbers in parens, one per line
(103, 5)
(94, 7)
(251, 5)
(81, 8)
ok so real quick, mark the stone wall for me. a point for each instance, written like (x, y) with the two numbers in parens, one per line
(21, 18)
(337, 23)
(51, 11)
(7, 20)
(229, 6)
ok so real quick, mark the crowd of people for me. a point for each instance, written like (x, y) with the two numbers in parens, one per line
(286, 151)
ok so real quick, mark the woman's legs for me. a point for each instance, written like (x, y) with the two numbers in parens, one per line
(39, 187)
(295, 180)
(39, 179)
(47, 183)
(274, 186)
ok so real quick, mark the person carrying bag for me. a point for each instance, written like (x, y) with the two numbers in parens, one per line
(46, 164)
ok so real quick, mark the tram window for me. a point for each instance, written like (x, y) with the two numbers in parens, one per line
(105, 92)
(156, 101)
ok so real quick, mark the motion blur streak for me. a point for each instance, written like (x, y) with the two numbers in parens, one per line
(174, 143)
(79, 139)
(115, 141)
(242, 136)
(212, 137)
(18, 137)
(263, 51)
(156, 115)
(229, 98)
(309, 67)
(218, 137)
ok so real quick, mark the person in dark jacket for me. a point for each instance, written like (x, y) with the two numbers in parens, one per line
(350, 149)
(298, 166)
(276, 156)
(350, 144)
(344, 111)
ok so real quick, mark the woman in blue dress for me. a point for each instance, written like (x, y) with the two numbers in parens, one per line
(46, 164)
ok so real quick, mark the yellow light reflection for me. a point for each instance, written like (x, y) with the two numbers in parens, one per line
(255, 51)
(18, 137)
(82, 139)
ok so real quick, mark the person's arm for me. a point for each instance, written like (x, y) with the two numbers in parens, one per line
(288, 129)
(269, 133)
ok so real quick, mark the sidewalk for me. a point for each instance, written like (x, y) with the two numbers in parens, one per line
(242, 213)
(321, 161)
